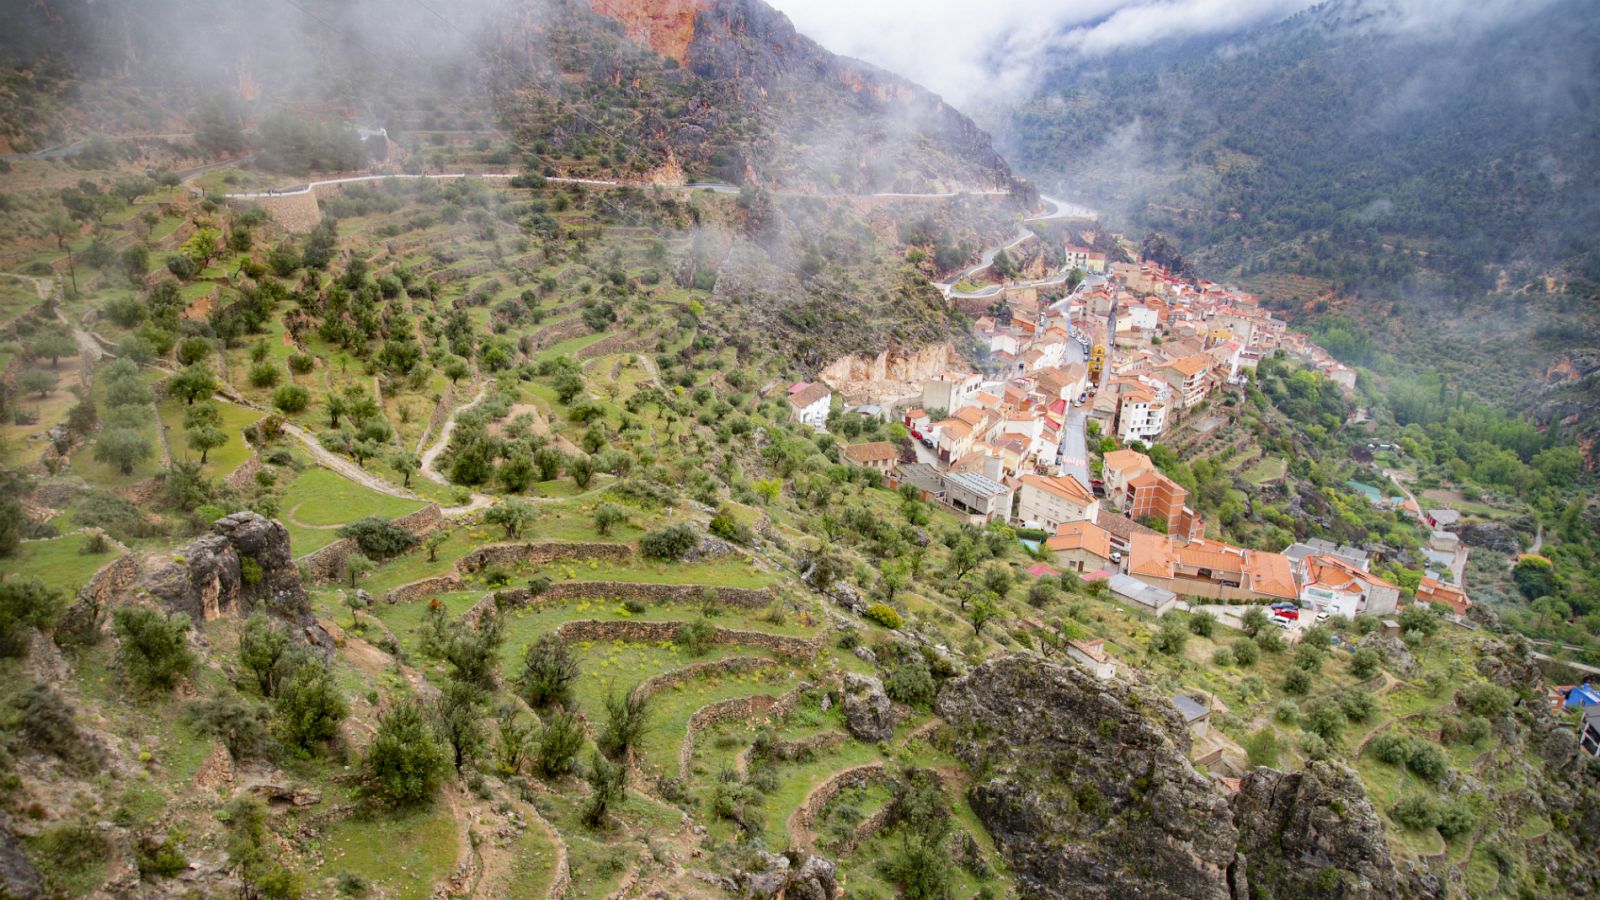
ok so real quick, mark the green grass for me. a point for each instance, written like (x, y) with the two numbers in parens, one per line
(22, 444)
(221, 460)
(59, 562)
(672, 708)
(731, 572)
(1266, 469)
(320, 500)
(403, 855)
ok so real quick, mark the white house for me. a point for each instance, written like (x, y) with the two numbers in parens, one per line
(1092, 654)
(1048, 501)
(809, 403)
(1141, 418)
(950, 391)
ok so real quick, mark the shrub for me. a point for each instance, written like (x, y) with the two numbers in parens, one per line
(559, 743)
(1483, 699)
(885, 615)
(1262, 748)
(405, 761)
(1364, 663)
(1169, 638)
(910, 682)
(696, 637)
(1297, 681)
(378, 537)
(608, 516)
(670, 544)
(1427, 761)
(239, 724)
(627, 716)
(1222, 656)
(1391, 748)
(265, 375)
(1203, 623)
(46, 723)
(153, 650)
(1357, 704)
(607, 786)
(301, 363)
(159, 859)
(25, 603)
(291, 398)
(264, 650)
(1324, 718)
(1270, 640)
(309, 707)
(1309, 658)
(548, 671)
(1415, 812)
(1245, 652)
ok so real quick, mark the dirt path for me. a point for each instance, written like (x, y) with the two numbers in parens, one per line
(345, 467)
(430, 455)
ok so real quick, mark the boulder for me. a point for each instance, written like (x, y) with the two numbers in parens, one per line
(1392, 650)
(1496, 536)
(868, 714)
(18, 877)
(1087, 786)
(1301, 832)
(813, 879)
(243, 563)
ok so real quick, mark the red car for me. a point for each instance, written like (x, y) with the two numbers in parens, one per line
(1290, 614)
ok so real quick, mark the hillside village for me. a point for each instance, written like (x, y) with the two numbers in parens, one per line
(1133, 354)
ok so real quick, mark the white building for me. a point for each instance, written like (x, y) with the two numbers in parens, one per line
(1049, 501)
(951, 391)
(810, 402)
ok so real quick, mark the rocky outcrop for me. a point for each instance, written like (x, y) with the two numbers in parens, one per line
(796, 876)
(868, 713)
(18, 877)
(242, 564)
(1089, 791)
(1392, 650)
(1496, 536)
(1294, 828)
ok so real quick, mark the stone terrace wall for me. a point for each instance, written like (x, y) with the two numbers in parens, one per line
(807, 813)
(327, 563)
(744, 598)
(734, 708)
(244, 476)
(540, 552)
(298, 213)
(112, 579)
(416, 590)
(731, 665)
(651, 632)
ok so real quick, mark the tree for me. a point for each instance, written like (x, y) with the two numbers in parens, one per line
(1255, 619)
(153, 649)
(405, 761)
(309, 707)
(1262, 748)
(607, 786)
(512, 515)
(458, 718)
(123, 448)
(194, 350)
(1364, 663)
(607, 516)
(357, 566)
(1535, 578)
(36, 381)
(407, 464)
(434, 542)
(378, 537)
(355, 601)
(982, 611)
(627, 716)
(205, 438)
(581, 468)
(549, 670)
(559, 743)
(1419, 619)
(263, 649)
(52, 345)
(132, 187)
(193, 383)
(25, 603)
(472, 652)
(1170, 638)
(1297, 681)
(1202, 623)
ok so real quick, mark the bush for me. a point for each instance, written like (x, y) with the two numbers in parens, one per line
(153, 650)
(1483, 699)
(1309, 658)
(1364, 663)
(1222, 656)
(309, 707)
(1391, 748)
(240, 725)
(670, 544)
(265, 375)
(1297, 681)
(910, 682)
(1357, 704)
(885, 615)
(696, 637)
(1324, 718)
(627, 716)
(1415, 812)
(1245, 652)
(378, 537)
(1262, 748)
(301, 363)
(559, 743)
(608, 783)
(405, 761)
(47, 725)
(25, 603)
(1170, 638)
(1427, 761)
(291, 398)
(159, 859)
(1203, 623)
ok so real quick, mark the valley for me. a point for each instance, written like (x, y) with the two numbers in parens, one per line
(571, 490)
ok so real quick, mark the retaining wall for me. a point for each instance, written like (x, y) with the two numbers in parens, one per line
(651, 632)
(244, 476)
(806, 814)
(327, 563)
(540, 552)
(113, 578)
(735, 708)
(416, 590)
(744, 598)
(730, 666)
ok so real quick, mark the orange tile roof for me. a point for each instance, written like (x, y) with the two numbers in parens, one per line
(1270, 574)
(955, 428)
(877, 451)
(1081, 536)
(1208, 555)
(1062, 486)
(1123, 460)
(1191, 365)
(1150, 554)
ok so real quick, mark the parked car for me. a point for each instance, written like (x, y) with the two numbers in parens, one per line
(1290, 615)
(926, 442)
(1323, 617)
(1285, 604)
(1281, 623)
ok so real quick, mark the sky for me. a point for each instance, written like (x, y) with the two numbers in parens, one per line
(972, 52)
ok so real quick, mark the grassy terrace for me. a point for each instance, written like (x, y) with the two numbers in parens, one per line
(221, 460)
(319, 501)
(61, 563)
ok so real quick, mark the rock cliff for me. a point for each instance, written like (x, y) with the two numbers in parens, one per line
(1307, 833)
(1087, 789)
(242, 563)
(1086, 785)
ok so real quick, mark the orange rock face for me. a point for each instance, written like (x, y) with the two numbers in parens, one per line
(665, 26)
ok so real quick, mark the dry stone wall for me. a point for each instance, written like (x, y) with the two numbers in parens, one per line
(744, 708)
(806, 815)
(650, 632)
(541, 552)
(327, 563)
(112, 579)
(732, 665)
(416, 590)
